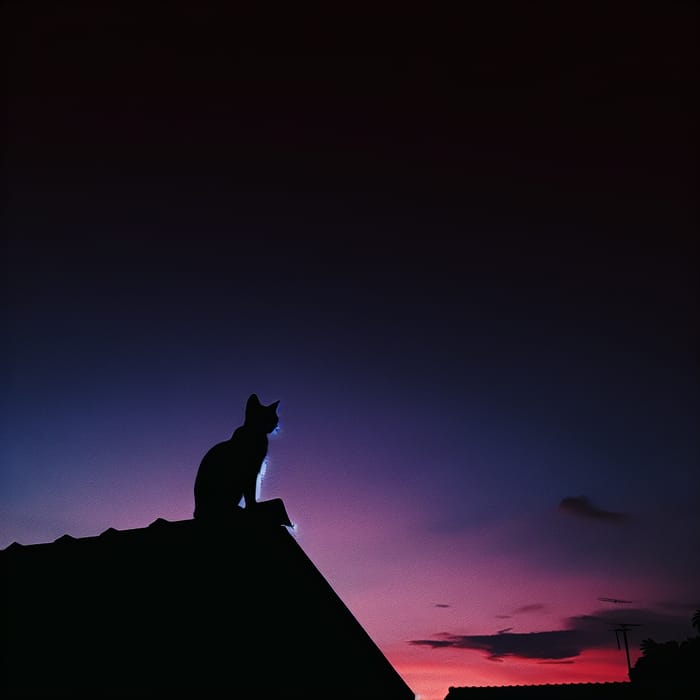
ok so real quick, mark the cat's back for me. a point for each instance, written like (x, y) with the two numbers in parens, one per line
(222, 450)
(215, 465)
(243, 446)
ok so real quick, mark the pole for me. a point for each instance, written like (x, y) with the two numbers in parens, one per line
(627, 652)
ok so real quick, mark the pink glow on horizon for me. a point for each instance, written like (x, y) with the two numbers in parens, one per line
(431, 678)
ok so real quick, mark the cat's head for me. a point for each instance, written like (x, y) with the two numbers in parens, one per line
(261, 417)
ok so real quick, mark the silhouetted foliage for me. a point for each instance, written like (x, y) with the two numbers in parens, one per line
(669, 669)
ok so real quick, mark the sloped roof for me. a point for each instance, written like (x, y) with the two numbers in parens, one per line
(234, 608)
(553, 691)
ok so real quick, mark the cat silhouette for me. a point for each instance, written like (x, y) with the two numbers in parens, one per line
(229, 470)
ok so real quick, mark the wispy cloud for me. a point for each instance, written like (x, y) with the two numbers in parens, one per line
(532, 607)
(582, 507)
(523, 610)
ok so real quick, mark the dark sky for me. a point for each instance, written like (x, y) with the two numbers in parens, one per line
(460, 249)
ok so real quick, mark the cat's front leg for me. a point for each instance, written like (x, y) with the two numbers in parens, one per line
(249, 494)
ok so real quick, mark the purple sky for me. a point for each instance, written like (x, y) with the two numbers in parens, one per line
(468, 274)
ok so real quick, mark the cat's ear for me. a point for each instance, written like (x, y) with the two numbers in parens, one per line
(274, 405)
(253, 400)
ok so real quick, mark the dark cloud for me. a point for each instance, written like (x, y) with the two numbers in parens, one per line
(583, 508)
(580, 632)
(433, 643)
(652, 623)
(532, 607)
(679, 607)
(558, 644)
(442, 605)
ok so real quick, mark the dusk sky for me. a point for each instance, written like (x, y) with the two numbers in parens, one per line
(460, 250)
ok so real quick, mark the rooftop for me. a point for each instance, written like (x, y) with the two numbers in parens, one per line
(184, 606)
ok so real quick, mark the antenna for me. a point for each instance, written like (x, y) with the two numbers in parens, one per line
(623, 628)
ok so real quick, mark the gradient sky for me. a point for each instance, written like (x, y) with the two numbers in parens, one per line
(462, 253)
